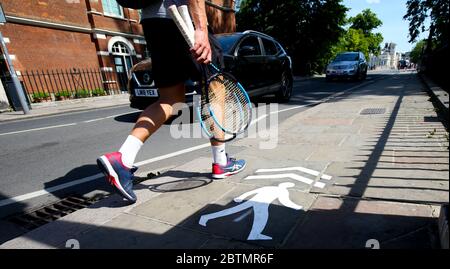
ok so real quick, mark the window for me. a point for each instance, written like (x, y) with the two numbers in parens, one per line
(253, 42)
(120, 48)
(111, 7)
(363, 57)
(269, 47)
(227, 41)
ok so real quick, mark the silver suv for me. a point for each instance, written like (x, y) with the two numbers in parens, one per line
(351, 65)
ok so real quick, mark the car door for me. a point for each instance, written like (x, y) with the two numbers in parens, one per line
(249, 63)
(362, 63)
(273, 66)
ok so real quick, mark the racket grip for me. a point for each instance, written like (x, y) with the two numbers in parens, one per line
(184, 12)
(188, 36)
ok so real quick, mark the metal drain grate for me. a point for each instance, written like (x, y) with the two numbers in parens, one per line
(50, 213)
(373, 111)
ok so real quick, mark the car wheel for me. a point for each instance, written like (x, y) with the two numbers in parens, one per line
(357, 77)
(364, 75)
(285, 92)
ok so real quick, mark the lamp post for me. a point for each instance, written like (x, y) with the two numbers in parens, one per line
(15, 79)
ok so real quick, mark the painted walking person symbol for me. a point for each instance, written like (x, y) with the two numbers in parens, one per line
(260, 203)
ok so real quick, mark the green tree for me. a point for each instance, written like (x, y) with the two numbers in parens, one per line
(354, 40)
(416, 53)
(308, 29)
(437, 11)
(367, 21)
(360, 36)
(434, 60)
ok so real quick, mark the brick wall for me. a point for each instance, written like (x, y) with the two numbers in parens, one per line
(43, 48)
(62, 11)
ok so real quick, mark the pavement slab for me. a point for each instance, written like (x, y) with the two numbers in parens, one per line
(333, 223)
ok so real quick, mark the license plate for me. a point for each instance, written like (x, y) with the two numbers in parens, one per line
(146, 92)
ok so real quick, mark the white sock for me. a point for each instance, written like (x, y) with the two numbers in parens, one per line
(219, 155)
(130, 150)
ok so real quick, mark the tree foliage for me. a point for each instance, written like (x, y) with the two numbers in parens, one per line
(308, 29)
(360, 36)
(437, 11)
(416, 53)
(366, 21)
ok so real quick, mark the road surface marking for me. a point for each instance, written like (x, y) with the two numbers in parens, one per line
(260, 202)
(280, 176)
(174, 154)
(48, 191)
(300, 169)
(39, 129)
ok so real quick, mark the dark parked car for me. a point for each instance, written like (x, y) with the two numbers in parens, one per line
(256, 60)
(348, 65)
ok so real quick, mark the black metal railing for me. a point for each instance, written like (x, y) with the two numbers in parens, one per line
(55, 85)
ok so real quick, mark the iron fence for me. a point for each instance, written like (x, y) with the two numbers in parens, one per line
(55, 85)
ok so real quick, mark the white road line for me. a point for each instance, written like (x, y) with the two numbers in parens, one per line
(94, 120)
(48, 191)
(300, 169)
(160, 158)
(109, 117)
(280, 176)
(174, 154)
(39, 129)
(62, 125)
(118, 115)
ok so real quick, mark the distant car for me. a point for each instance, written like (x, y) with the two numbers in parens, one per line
(257, 61)
(403, 64)
(351, 65)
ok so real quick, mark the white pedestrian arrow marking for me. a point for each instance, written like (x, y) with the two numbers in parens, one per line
(293, 176)
(300, 169)
(279, 176)
(260, 202)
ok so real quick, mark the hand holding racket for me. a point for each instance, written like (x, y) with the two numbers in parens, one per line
(225, 110)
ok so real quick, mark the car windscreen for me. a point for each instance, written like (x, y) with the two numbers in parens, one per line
(346, 57)
(227, 42)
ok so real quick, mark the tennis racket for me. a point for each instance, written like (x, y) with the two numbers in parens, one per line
(225, 110)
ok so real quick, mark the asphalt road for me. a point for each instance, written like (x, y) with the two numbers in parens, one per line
(49, 153)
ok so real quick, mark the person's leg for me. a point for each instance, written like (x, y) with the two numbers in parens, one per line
(118, 166)
(223, 166)
(157, 114)
(151, 120)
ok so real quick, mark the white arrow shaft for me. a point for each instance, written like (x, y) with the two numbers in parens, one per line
(300, 169)
(291, 176)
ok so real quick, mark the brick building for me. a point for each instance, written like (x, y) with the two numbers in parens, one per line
(82, 34)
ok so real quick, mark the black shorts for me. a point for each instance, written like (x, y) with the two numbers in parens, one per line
(172, 62)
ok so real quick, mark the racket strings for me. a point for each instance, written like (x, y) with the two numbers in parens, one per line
(229, 105)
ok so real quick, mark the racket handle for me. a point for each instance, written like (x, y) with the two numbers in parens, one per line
(184, 12)
(188, 36)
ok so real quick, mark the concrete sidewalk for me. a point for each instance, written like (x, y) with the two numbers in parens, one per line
(60, 107)
(369, 167)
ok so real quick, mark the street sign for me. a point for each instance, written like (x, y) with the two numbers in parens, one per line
(2, 15)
